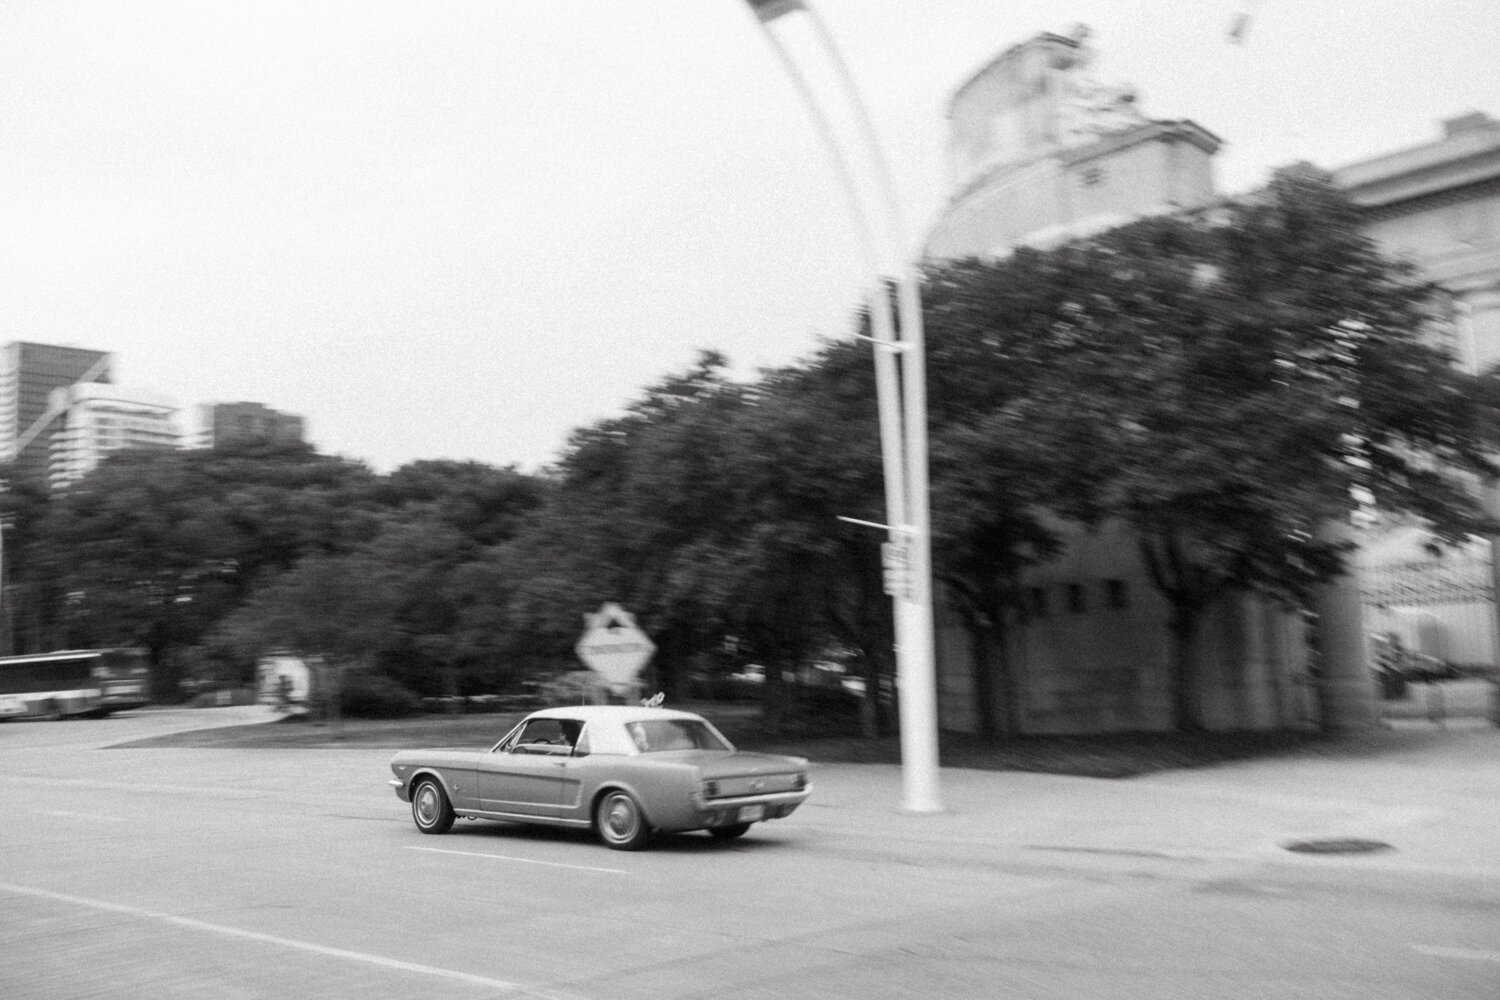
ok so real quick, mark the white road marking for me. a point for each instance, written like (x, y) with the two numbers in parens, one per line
(218, 791)
(307, 946)
(78, 815)
(1472, 954)
(524, 861)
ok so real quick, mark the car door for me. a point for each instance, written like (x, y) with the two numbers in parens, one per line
(579, 775)
(524, 775)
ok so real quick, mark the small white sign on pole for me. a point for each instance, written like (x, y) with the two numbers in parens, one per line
(895, 562)
(614, 647)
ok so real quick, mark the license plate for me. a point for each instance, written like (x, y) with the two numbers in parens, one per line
(751, 814)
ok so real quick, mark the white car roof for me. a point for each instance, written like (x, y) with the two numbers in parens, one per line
(607, 723)
(613, 713)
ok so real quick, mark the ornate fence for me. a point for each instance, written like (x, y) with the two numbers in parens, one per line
(1442, 607)
(1442, 612)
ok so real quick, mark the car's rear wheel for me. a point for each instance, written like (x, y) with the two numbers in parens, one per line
(729, 832)
(620, 822)
(430, 808)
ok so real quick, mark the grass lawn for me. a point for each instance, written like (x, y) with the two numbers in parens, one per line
(1110, 756)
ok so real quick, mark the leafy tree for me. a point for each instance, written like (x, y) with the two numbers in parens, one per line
(153, 547)
(339, 611)
(485, 504)
(709, 509)
(990, 493)
(812, 455)
(448, 521)
(1001, 474)
(1241, 379)
(639, 505)
(23, 592)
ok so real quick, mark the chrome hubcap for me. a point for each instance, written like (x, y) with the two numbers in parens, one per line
(620, 818)
(426, 805)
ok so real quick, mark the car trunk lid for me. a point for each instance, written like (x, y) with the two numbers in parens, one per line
(746, 773)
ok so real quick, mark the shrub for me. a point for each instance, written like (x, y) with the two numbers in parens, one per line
(815, 702)
(369, 695)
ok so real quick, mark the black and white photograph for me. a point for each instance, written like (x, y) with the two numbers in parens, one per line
(749, 499)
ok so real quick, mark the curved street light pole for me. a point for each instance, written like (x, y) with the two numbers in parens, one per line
(901, 391)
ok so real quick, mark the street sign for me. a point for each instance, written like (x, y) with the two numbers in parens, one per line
(895, 563)
(614, 647)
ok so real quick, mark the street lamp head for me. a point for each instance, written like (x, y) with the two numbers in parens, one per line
(770, 10)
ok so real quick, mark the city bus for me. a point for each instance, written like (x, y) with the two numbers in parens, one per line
(74, 682)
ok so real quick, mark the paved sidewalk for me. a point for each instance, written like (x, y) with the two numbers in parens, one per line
(1438, 806)
(1436, 802)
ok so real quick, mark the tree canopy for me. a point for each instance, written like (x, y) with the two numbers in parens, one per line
(1221, 385)
(1225, 385)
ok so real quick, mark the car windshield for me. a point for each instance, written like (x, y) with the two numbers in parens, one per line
(656, 735)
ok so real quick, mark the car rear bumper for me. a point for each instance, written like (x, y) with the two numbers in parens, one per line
(740, 809)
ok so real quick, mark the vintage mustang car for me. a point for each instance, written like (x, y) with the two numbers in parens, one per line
(627, 772)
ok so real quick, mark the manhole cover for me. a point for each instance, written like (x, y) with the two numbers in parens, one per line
(1345, 845)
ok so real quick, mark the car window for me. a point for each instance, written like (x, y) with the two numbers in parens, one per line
(659, 735)
(546, 736)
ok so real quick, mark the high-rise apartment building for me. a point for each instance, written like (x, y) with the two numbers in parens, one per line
(238, 423)
(96, 420)
(28, 375)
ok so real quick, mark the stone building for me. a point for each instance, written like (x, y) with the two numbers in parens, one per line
(1437, 205)
(1041, 152)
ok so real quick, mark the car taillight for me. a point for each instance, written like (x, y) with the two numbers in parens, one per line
(711, 789)
(799, 782)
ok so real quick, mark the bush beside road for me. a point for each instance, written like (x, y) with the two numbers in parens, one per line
(1103, 756)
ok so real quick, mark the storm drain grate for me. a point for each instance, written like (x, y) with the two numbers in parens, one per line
(1342, 845)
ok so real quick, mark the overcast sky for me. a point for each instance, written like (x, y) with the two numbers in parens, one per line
(462, 229)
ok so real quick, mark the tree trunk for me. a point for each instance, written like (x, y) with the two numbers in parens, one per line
(1008, 687)
(166, 674)
(981, 641)
(450, 689)
(1184, 676)
(773, 697)
(869, 704)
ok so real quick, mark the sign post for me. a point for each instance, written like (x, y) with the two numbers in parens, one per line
(895, 563)
(614, 647)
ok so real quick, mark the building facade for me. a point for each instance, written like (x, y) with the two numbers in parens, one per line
(242, 423)
(1041, 153)
(28, 375)
(1437, 205)
(97, 420)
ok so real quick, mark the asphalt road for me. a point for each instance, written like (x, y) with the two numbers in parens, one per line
(152, 873)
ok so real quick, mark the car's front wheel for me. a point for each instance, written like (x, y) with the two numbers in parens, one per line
(620, 822)
(729, 832)
(430, 808)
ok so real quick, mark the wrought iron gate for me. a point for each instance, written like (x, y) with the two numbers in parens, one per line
(1442, 613)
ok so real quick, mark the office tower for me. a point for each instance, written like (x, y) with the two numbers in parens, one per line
(28, 375)
(96, 420)
(240, 423)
